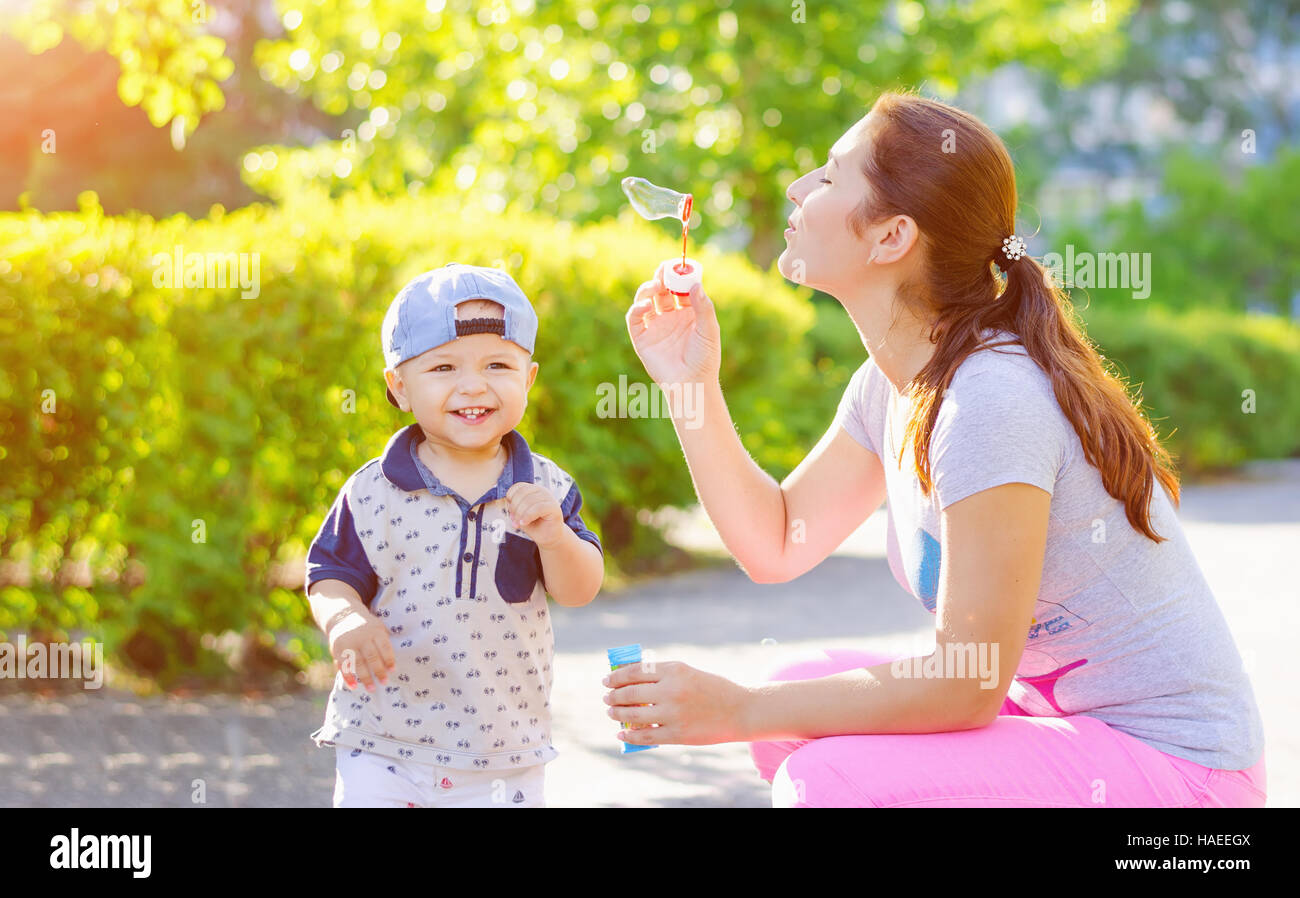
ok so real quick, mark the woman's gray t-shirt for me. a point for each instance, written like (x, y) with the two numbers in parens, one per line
(1124, 629)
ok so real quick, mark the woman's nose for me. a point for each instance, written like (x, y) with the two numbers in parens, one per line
(795, 192)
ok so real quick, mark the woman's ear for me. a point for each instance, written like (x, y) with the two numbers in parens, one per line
(896, 239)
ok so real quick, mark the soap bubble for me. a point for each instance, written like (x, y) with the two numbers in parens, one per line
(651, 201)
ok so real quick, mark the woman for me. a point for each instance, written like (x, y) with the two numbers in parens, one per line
(1023, 512)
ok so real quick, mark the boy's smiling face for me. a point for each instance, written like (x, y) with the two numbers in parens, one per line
(474, 371)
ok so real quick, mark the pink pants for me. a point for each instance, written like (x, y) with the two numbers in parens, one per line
(1016, 761)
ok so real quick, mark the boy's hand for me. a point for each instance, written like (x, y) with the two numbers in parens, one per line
(535, 511)
(361, 648)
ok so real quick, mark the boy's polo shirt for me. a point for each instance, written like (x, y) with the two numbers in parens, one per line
(461, 593)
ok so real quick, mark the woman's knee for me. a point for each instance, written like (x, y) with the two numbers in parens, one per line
(768, 756)
(810, 778)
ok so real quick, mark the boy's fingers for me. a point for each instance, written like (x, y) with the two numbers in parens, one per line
(523, 508)
(527, 511)
(364, 676)
(519, 489)
(386, 653)
(349, 676)
(374, 663)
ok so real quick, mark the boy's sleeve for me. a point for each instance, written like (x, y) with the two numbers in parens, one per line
(569, 508)
(337, 553)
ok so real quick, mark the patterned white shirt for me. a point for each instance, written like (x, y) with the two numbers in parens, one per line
(462, 595)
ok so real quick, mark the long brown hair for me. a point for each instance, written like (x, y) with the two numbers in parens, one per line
(953, 176)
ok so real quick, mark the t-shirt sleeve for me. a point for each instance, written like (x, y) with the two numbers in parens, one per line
(992, 430)
(569, 507)
(852, 411)
(337, 553)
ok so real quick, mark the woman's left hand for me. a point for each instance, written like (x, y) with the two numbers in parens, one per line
(688, 706)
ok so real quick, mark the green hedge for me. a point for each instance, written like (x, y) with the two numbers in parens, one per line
(180, 405)
(173, 406)
(1192, 371)
(1221, 235)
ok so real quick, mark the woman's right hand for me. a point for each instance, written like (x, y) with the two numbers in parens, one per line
(677, 345)
(361, 648)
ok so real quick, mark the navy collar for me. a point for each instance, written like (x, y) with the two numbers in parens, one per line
(401, 465)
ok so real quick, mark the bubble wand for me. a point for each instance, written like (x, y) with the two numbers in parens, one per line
(651, 202)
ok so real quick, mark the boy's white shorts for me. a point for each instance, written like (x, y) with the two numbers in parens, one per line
(366, 780)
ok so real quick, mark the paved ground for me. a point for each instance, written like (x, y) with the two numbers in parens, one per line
(111, 749)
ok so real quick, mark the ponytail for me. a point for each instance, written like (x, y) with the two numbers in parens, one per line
(964, 204)
(1117, 438)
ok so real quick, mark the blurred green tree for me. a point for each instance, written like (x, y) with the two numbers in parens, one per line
(170, 64)
(546, 105)
(1223, 240)
(66, 130)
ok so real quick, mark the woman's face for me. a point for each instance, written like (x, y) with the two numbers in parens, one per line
(821, 250)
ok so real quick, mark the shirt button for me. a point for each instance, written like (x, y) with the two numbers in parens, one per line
(469, 557)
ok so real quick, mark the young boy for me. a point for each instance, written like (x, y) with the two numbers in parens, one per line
(430, 573)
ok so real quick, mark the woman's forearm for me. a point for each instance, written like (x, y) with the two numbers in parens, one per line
(744, 502)
(865, 700)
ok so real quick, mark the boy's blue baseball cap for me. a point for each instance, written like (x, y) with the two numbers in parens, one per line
(423, 314)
